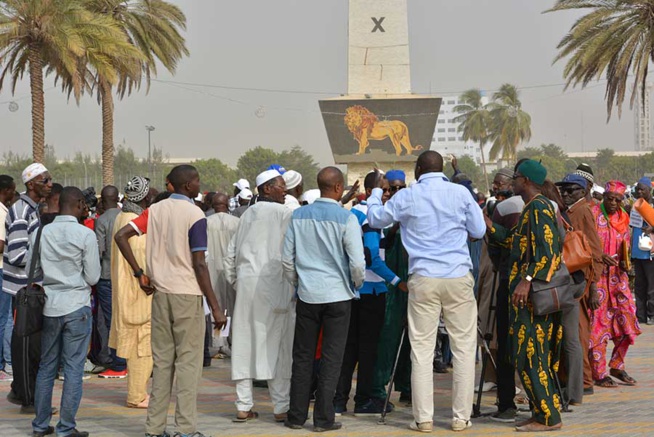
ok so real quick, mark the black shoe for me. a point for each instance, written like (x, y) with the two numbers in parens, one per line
(77, 433)
(206, 363)
(405, 397)
(48, 431)
(165, 434)
(335, 426)
(260, 383)
(29, 409)
(13, 398)
(440, 367)
(290, 425)
(589, 391)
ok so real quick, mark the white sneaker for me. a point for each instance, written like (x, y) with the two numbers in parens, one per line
(488, 386)
(460, 424)
(9, 369)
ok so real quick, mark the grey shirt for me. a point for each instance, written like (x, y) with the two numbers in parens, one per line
(104, 229)
(70, 263)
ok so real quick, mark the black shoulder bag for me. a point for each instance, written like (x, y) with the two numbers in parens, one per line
(30, 299)
(555, 295)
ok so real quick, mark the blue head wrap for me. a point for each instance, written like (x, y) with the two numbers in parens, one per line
(277, 167)
(395, 175)
(645, 181)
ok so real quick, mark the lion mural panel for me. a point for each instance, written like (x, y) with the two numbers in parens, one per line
(365, 127)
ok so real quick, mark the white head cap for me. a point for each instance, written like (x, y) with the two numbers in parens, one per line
(245, 194)
(597, 189)
(311, 196)
(292, 179)
(267, 176)
(242, 184)
(32, 171)
(199, 197)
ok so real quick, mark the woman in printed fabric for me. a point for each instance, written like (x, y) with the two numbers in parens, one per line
(615, 319)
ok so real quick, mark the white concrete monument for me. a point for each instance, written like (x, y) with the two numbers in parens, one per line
(379, 47)
(379, 122)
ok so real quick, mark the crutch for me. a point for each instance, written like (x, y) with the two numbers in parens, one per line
(382, 420)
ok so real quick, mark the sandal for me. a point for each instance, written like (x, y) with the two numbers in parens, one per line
(623, 376)
(245, 416)
(606, 382)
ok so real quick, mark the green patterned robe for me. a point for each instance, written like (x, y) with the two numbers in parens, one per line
(394, 320)
(536, 340)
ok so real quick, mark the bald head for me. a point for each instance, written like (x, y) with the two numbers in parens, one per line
(71, 202)
(220, 202)
(429, 162)
(331, 183)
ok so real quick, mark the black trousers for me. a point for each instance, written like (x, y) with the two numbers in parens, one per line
(644, 289)
(334, 318)
(25, 357)
(505, 366)
(362, 341)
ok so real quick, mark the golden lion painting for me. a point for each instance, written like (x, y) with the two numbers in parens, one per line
(365, 126)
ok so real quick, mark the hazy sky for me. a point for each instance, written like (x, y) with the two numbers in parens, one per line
(302, 45)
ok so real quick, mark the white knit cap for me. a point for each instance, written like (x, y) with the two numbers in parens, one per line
(267, 176)
(32, 171)
(245, 194)
(242, 184)
(292, 179)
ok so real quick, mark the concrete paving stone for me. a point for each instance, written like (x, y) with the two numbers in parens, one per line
(623, 411)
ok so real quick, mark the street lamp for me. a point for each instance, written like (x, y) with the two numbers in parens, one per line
(149, 129)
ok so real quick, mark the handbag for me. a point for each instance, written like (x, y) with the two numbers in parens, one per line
(30, 299)
(555, 295)
(577, 254)
(645, 243)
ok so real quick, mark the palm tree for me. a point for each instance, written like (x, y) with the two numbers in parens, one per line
(474, 122)
(615, 40)
(53, 35)
(153, 28)
(510, 125)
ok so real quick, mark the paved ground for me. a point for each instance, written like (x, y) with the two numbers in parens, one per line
(623, 411)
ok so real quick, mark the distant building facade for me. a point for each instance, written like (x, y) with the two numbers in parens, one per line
(448, 139)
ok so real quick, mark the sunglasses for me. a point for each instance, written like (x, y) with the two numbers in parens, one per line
(395, 188)
(44, 181)
(569, 190)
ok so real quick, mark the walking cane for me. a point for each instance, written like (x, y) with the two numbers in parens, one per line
(485, 345)
(382, 421)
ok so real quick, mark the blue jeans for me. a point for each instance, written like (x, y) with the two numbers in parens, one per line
(64, 339)
(103, 293)
(6, 326)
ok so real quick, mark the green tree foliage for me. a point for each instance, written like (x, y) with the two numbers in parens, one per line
(475, 122)
(215, 175)
(256, 160)
(510, 125)
(468, 166)
(52, 35)
(614, 40)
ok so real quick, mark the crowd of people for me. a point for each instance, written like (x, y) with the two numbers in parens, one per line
(301, 288)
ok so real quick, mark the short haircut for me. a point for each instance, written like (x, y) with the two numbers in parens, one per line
(161, 196)
(69, 196)
(6, 182)
(181, 175)
(369, 181)
(56, 190)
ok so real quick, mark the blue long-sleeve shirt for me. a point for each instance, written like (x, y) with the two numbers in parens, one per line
(436, 218)
(377, 272)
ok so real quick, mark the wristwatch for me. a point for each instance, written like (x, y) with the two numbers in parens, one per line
(138, 273)
(529, 278)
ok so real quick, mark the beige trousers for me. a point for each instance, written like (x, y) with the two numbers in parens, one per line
(139, 370)
(455, 298)
(178, 327)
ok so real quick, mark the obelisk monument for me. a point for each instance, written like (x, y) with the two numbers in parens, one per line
(379, 123)
(378, 52)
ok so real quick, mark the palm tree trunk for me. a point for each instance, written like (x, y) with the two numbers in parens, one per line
(38, 103)
(107, 132)
(483, 164)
